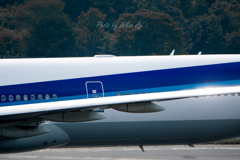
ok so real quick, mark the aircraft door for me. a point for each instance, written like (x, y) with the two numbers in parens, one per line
(94, 89)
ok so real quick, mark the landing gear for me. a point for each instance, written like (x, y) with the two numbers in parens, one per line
(190, 145)
(141, 147)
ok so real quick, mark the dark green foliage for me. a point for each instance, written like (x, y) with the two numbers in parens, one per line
(205, 34)
(75, 7)
(50, 31)
(11, 42)
(89, 37)
(4, 3)
(170, 7)
(52, 28)
(215, 32)
(232, 42)
(105, 7)
(158, 35)
(186, 8)
(123, 6)
(10, 39)
(229, 14)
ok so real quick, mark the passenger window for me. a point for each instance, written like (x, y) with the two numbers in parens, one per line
(133, 93)
(54, 97)
(18, 97)
(39, 97)
(3, 98)
(10, 98)
(119, 94)
(47, 97)
(140, 93)
(25, 97)
(125, 93)
(32, 97)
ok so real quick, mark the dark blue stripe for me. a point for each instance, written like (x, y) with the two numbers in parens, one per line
(130, 81)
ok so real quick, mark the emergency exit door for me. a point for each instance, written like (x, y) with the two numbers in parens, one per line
(94, 89)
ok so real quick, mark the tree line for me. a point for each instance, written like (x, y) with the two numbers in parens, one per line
(73, 28)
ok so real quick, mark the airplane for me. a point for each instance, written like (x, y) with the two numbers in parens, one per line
(109, 100)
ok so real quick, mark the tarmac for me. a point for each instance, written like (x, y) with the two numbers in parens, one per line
(199, 152)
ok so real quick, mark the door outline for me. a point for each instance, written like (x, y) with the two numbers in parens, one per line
(94, 82)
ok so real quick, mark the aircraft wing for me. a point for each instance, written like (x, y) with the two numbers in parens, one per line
(23, 111)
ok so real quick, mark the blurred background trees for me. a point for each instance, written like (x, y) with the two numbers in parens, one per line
(89, 37)
(50, 30)
(61, 28)
(159, 34)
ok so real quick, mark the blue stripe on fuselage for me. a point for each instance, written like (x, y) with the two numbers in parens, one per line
(191, 76)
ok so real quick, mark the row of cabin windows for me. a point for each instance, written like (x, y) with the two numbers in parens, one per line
(119, 94)
(47, 96)
(25, 97)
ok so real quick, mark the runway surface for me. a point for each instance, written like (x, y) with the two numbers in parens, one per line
(199, 152)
